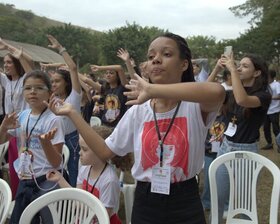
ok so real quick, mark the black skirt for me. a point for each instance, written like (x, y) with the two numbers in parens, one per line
(181, 206)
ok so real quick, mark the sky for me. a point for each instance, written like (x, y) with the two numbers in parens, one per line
(183, 17)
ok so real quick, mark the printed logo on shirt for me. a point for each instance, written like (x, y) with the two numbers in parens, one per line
(95, 191)
(176, 147)
(112, 105)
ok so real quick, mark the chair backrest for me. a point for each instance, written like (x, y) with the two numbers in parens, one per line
(5, 200)
(95, 121)
(68, 205)
(66, 155)
(243, 169)
(3, 150)
(128, 193)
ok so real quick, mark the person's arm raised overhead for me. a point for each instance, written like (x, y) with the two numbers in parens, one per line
(240, 95)
(117, 68)
(24, 58)
(124, 55)
(95, 85)
(69, 61)
(217, 69)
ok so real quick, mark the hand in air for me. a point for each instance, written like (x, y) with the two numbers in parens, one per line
(48, 136)
(58, 106)
(54, 43)
(10, 121)
(139, 91)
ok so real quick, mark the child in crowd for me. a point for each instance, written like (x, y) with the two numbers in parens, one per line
(16, 64)
(114, 99)
(166, 133)
(66, 86)
(40, 138)
(96, 176)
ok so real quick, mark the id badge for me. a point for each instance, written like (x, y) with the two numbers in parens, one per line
(231, 129)
(161, 180)
(24, 167)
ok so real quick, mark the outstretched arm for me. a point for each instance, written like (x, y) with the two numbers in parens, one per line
(95, 85)
(93, 140)
(25, 59)
(141, 91)
(117, 68)
(124, 55)
(69, 61)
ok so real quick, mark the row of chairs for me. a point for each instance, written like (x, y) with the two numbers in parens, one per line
(243, 168)
(66, 205)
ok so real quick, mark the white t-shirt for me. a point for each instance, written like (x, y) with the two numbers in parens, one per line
(47, 122)
(274, 106)
(1, 99)
(14, 100)
(107, 188)
(75, 100)
(226, 86)
(183, 146)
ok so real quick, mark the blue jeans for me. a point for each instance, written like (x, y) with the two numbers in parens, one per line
(277, 139)
(26, 193)
(222, 173)
(72, 142)
(205, 197)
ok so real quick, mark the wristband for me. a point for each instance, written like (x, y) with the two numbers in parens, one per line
(61, 50)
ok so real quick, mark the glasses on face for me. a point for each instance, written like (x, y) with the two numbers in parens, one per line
(37, 89)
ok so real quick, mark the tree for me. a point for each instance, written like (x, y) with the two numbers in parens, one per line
(132, 37)
(263, 36)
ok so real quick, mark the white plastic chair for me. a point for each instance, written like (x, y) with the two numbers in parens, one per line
(66, 155)
(3, 149)
(68, 205)
(5, 200)
(128, 193)
(95, 121)
(243, 168)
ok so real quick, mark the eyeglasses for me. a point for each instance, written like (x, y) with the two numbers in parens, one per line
(34, 88)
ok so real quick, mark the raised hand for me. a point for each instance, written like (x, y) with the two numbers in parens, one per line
(3, 45)
(58, 106)
(48, 136)
(139, 91)
(10, 121)
(228, 61)
(54, 42)
(94, 68)
(123, 54)
(17, 53)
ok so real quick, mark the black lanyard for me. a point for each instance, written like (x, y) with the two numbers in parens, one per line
(26, 130)
(93, 186)
(160, 142)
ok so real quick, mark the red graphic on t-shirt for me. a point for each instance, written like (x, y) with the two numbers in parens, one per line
(176, 146)
(88, 187)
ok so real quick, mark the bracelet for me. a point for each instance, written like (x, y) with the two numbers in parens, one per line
(62, 50)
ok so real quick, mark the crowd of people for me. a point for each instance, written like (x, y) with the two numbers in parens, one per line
(169, 113)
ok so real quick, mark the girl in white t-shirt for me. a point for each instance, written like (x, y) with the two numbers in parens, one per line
(66, 86)
(40, 140)
(166, 135)
(16, 64)
(95, 176)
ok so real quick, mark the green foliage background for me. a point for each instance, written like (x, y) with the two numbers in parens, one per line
(93, 47)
